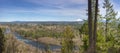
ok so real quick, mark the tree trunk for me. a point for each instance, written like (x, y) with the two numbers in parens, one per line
(106, 29)
(90, 49)
(95, 27)
(92, 34)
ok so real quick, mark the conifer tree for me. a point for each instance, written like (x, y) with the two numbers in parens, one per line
(109, 16)
(67, 42)
(110, 25)
(92, 24)
(90, 30)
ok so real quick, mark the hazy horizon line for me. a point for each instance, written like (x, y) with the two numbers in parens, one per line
(41, 21)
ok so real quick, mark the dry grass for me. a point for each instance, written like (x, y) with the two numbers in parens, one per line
(15, 46)
(57, 41)
(49, 40)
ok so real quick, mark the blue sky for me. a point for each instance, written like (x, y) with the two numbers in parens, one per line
(47, 10)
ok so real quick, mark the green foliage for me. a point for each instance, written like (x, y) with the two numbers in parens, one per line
(39, 33)
(117, 38)
(110, 13)
(85, 42)
(101, 43)
(84, 33)
(67, 43)
(110, 16)
(2, 41)
(84, 28)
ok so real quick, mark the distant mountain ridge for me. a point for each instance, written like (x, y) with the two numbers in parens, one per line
(43, 22)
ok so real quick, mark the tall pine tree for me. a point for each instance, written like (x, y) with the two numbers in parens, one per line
(109, 16)
(92, 24)
(90, 31)
(110, 26)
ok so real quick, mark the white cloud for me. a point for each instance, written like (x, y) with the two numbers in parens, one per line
(79, 19)
(81, 13)
(58, 3)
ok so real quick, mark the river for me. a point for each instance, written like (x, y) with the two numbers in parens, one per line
(33, 43)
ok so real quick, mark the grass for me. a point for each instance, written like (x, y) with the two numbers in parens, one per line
(13, 45)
